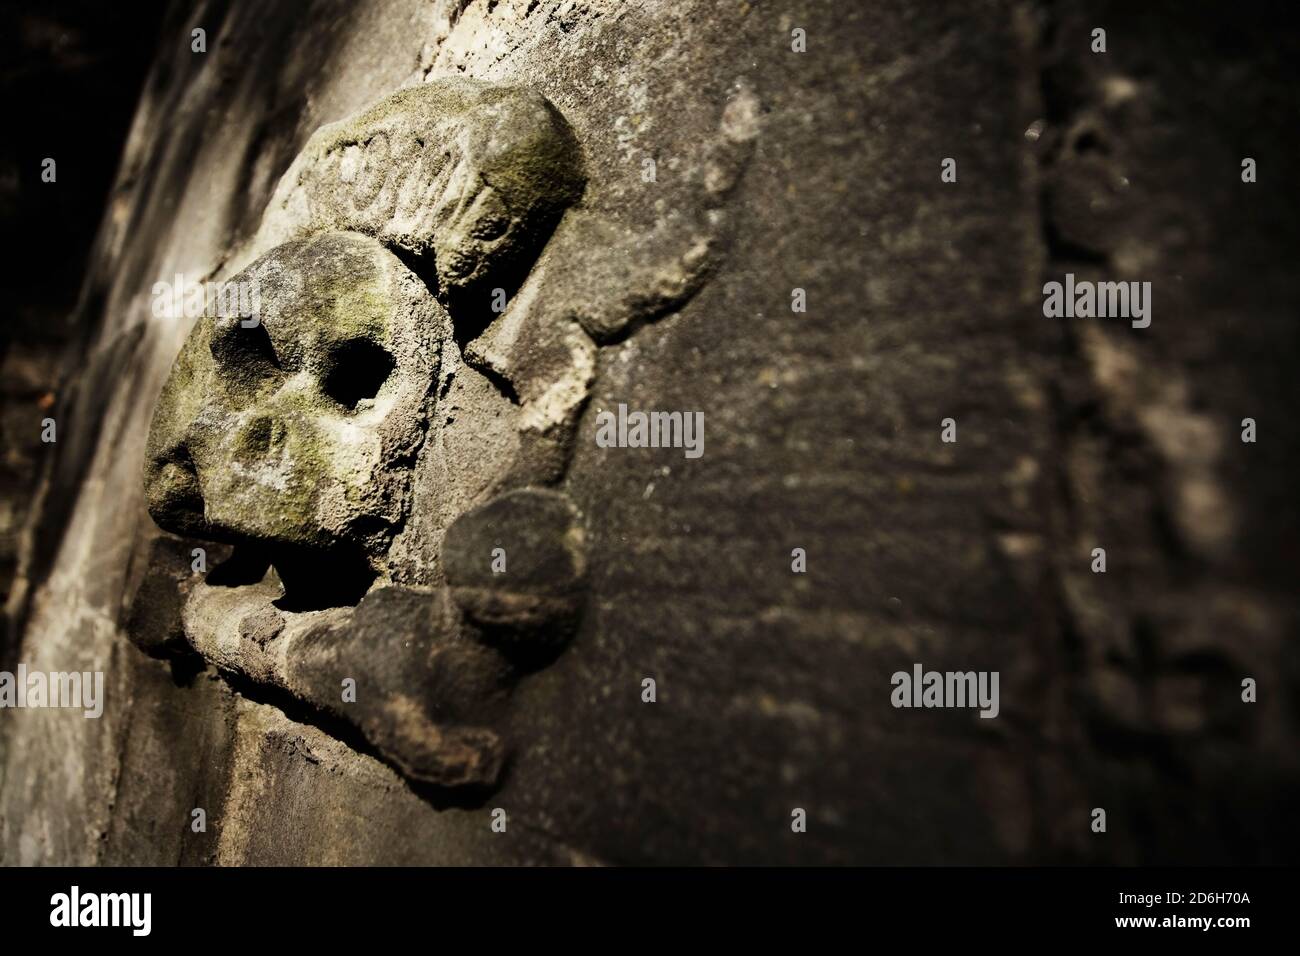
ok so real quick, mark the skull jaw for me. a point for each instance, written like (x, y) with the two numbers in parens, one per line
(317, 568)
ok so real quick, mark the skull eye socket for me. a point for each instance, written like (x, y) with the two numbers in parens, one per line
(356, 370)
(244, 348)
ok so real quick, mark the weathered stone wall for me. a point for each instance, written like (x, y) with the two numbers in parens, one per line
(774, 170)
(79, 57)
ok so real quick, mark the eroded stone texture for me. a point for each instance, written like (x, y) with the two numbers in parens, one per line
(476, 173)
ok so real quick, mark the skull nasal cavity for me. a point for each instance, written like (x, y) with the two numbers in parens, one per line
(261, 436)
(356, 370)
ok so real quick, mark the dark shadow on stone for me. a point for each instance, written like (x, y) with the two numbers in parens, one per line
(531, 650)
(462, 798)
(355, 370)
(247, 565)
(423, 267)
(317, 580)
(185, 667)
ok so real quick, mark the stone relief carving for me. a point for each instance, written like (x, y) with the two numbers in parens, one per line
(298, 433)
(367, 450)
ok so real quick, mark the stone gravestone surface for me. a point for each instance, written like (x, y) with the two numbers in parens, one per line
(480, 259)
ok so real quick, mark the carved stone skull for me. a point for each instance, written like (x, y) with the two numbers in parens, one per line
(297, 431)
(298, 434)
